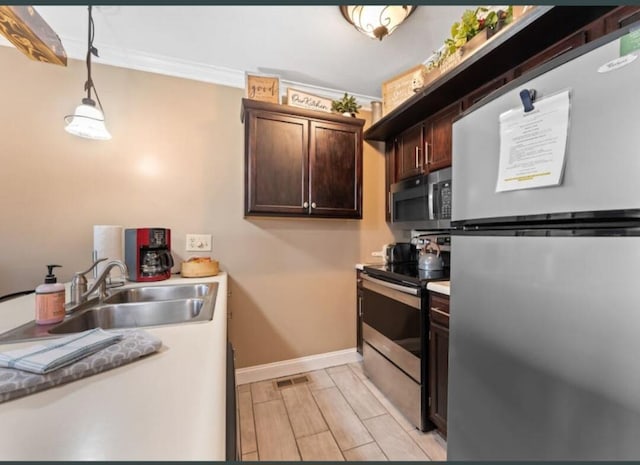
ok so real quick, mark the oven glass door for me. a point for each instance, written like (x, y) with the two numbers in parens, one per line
(392, 324)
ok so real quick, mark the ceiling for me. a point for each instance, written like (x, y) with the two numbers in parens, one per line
(310, 47)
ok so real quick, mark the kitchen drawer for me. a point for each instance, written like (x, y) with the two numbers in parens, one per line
(439, 309)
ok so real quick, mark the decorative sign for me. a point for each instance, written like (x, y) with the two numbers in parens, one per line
(533, 144)
(263, 88)
(297, 98)
(400, 88)
(25, 28)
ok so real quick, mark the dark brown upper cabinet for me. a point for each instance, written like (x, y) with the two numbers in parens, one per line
(425, 147)
(568, 43)
(409, 156)
(481, 92)
(301, 162)
(438, 138)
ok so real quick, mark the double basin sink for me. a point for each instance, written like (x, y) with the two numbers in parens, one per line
(129, 308)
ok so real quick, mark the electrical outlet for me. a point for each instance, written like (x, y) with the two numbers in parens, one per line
(199, 243)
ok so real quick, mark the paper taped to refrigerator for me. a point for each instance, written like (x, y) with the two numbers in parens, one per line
(533, 144)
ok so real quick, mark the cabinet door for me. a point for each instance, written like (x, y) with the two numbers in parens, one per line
(389, 173)
(276, 179)
(438, 359)
(566, 44)
(621, 17)
(438, 375)
(359, 297)
(478, 94)
(439, 137)
(335, 170)
(408, 159)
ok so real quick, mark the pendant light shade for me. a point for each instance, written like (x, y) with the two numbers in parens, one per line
(88, 120)
(376, 21)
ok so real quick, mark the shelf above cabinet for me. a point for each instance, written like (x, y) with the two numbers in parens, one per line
(248, 104)
(534, 32)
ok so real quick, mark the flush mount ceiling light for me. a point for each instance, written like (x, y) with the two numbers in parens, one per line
(88, 120)
(376, 21)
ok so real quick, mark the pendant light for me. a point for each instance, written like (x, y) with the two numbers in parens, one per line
(88, 120)
(376, 21)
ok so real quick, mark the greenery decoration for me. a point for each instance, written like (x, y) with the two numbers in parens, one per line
(471, 23)
(346, 104)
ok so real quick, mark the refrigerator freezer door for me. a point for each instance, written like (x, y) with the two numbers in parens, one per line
(544, 348)
(602, 162)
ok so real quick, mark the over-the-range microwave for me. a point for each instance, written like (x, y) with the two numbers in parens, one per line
(422, 202)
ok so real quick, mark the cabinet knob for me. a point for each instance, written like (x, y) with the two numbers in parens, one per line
(305, 205)
(313, 205)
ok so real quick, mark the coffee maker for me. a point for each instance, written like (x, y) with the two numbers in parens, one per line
(147, 254)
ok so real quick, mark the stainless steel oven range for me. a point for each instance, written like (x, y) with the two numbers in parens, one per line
(395, 328)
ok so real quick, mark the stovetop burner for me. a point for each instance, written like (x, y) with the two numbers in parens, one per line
(406, 273)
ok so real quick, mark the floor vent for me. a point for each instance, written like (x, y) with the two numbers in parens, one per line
(287, 382)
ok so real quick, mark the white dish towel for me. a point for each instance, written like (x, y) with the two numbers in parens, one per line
(45, 358)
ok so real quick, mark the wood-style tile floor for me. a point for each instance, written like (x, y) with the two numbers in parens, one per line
(338, 415)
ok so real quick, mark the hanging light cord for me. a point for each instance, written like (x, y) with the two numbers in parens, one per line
(91, 50)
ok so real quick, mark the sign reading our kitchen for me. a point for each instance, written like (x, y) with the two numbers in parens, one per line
(297, 98)
(263, 88)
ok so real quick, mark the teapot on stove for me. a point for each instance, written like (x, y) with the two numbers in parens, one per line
(428, 260)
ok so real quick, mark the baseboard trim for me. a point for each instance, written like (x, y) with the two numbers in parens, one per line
(296, 365)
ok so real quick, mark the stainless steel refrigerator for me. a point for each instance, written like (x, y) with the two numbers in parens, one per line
(544, 360)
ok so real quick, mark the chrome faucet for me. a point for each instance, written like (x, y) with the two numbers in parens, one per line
(79, 292)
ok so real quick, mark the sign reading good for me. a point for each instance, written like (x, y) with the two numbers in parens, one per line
(301, 99)
(263, 88)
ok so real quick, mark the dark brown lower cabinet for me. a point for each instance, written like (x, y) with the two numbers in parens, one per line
(301, 162)
(359, 297)
(438, 360)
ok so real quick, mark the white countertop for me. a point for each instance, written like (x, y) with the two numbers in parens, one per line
(360, 266)
(168, 406)
(442, 287)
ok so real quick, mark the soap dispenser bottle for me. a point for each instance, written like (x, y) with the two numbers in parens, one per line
(50, 299)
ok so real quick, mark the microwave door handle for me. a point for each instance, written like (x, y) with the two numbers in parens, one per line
(392, 201)
(431, 200)
(426, 152)
(437, 194)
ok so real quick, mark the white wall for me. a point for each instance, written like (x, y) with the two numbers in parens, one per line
(176, 161)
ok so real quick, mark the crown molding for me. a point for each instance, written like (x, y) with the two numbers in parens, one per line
(176, 67)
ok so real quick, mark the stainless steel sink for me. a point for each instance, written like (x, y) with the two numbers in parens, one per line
(133, 315)
(158, 293)
(130, 308)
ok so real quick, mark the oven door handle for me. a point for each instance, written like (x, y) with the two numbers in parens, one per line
(396, 287)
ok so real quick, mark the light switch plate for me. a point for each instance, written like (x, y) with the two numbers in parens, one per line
(199, 243)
